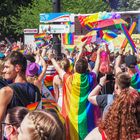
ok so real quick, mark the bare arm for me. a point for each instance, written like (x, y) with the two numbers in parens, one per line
(6, 95)
(97, 62)
(96, 91)
(60, 71)
(56, 90)
(41, 76)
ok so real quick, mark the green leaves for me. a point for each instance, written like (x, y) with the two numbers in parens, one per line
(16, 15)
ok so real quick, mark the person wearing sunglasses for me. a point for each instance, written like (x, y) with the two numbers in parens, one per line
(12, 121)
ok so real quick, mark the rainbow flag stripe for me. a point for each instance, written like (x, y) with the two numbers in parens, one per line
(68, 39)
(39, 36)
(80, 115)
(130, 40)
(32, 106)
(135, 81)
(109, 36)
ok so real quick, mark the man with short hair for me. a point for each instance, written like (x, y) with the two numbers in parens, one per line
(14, 70)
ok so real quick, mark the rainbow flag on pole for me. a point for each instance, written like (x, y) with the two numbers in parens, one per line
(80, 115)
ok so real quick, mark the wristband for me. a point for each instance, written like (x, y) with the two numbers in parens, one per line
(100, 85)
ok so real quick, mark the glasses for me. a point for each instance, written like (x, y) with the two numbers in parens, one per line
(4, 123)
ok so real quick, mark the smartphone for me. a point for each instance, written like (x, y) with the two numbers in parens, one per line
(110, 77)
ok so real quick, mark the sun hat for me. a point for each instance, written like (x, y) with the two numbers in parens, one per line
(130, 61)
(32, 69)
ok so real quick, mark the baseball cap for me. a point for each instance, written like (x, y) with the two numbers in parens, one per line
(130, 61)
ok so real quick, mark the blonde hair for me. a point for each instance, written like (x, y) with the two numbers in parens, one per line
(1, 67)
(45, 126)
(31, 79)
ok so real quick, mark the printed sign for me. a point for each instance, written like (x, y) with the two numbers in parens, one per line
(54, 28)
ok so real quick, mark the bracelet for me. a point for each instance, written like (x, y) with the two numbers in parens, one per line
(100, 85)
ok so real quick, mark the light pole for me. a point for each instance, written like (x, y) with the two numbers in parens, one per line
(56, 40)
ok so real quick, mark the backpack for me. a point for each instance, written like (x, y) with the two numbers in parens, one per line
(110, 99)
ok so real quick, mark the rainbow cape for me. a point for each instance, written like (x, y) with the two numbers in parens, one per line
(80, 115)
(135, 81)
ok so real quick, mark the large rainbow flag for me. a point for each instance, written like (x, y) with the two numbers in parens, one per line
(80, 115)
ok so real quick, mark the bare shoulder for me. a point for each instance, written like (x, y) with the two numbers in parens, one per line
(94, 135)
(6, 92)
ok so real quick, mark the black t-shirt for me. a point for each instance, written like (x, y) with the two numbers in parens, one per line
(102, 101)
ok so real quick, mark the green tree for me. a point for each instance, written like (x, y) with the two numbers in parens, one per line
(8, 8)
(129, 5)
(28, 17)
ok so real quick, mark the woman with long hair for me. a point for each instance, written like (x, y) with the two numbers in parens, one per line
(122, 121)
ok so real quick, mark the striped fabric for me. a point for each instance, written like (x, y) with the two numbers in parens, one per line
(135, 81)
(80, 115)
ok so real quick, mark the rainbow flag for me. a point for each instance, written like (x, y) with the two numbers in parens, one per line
(135, 81)
(128, 37)
(109, 36)
(68, 39)
(80, 115)
(39, 43)
(32, 106)
(39, 36)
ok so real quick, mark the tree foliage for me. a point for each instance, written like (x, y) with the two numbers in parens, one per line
(129, 5)
(17, 15)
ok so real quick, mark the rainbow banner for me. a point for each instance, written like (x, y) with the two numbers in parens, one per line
(135, 81)
(68, 39)
(80, 115)
(131, 42)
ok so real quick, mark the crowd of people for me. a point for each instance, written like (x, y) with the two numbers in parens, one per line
(90, 94)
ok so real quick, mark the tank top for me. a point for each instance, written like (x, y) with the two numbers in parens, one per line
(29, 92)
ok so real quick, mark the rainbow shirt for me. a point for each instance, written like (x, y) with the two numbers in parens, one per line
(80, 115)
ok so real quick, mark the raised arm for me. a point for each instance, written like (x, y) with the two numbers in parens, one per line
(60, 71)
(43, 63)
(118, 62)
(97, 62)
(96, 90)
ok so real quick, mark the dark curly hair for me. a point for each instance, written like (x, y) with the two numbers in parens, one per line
(122, 120)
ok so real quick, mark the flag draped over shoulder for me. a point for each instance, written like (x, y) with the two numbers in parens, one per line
(135, 81)
(80, 115)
